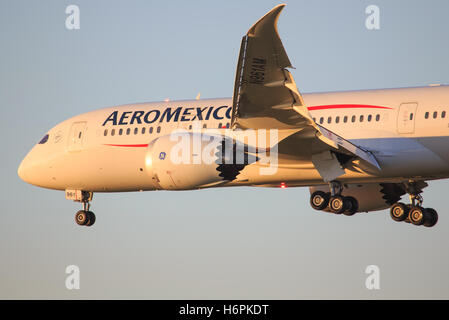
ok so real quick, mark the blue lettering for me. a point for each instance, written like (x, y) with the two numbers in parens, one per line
(199, 113)
(216, 113)
(186, 113)
(208, 113)
(136, 116)
(112, 117)
(146, 118)
(123, 117)
(169, 114)
(228, 113)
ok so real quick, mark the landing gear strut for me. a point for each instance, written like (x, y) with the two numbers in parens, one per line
(334, 201)
(83, 217)
(414, 212)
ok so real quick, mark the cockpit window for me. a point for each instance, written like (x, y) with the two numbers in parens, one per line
(44, 139)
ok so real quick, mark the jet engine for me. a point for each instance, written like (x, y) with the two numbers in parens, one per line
(186, 160)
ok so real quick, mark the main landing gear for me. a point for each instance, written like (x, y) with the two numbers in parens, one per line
(334, 201)
(414, 212)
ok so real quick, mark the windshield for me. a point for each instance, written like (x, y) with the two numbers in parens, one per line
(44, 139)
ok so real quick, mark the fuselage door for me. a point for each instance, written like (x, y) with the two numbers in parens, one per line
(76, 137)
(406, 117)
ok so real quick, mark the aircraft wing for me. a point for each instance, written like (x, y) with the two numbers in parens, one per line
(266, 97)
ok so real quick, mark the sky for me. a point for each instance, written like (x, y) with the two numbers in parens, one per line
(229, 243)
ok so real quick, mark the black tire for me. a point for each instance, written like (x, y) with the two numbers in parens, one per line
(319, 200)
(351, 207)
(81, 217)
(399, 212)
(430, 217)
(91, 219)
(337, 204)
(416, 215)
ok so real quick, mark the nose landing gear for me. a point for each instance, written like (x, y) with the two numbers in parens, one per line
(83, 217)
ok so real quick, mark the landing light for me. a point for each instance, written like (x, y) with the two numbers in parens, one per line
(283, 186)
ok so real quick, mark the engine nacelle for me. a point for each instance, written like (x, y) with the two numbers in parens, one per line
(370, 196)
(181, 161)
(186, 160)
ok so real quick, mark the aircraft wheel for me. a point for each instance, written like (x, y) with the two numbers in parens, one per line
(430, 217)
(352, 206)
(399, 212)
(319, 200)
(81, 218)
(337, 204)
(91, 218)
(416, 215)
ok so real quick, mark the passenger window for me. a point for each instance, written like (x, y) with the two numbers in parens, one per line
(45, 139)
(158, 129)
(143, 130)
(337, 119)
(435, 114)
(314, 120)
(345, 119)
(105, 132)
(369, 118)
(113, 132)
(205, 126)
(426, 116)
(411, 116)
(361, 118)
(321, 120)
(228, 125)
(151, 130)
(128, 131)
(136, 130)
(219, 125)
(353, 119)
(120, 132)
(443, 114)
(190, 127)
(329, 120)
(377, 117)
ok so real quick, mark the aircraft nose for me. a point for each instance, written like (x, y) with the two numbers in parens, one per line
(30, 169)
(24, 170)
(36, 167)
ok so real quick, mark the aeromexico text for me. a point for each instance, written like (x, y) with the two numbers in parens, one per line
(168, 115)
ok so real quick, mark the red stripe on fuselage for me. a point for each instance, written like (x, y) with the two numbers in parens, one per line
(346, 106)
(128, 145)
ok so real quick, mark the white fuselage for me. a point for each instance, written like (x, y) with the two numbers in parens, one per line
(406, 129)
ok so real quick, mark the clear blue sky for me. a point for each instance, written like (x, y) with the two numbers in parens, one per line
(218, 243)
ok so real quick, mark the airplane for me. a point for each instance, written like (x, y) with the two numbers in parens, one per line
(357, 151)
